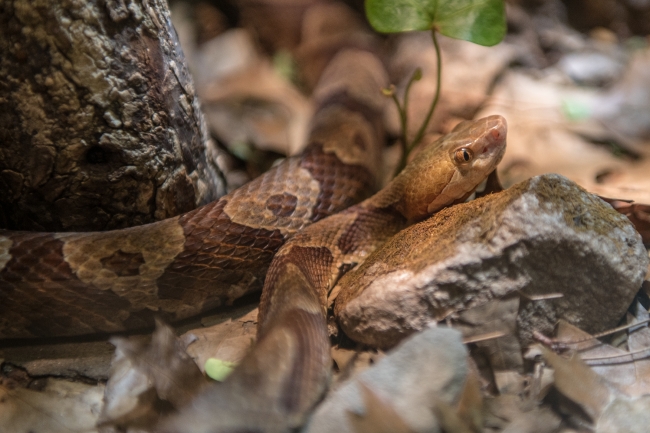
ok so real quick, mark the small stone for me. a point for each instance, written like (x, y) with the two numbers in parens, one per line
(427, 368)
(112, 119)
(591, 68)
(541, 237)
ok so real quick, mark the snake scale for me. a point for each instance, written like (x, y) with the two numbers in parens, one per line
(56, 284)
(60, 284)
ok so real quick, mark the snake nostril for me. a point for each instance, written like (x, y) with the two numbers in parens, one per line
(495, 134)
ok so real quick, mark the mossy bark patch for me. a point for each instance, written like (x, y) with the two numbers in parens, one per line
(99, 122)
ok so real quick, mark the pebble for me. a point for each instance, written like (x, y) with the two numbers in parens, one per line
(426, 368)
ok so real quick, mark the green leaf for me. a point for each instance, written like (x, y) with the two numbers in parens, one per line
(575, 110)
(218, 369)
(480, 21)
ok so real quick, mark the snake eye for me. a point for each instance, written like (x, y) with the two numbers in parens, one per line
(463, 155)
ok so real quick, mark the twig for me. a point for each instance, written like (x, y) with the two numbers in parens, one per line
(563, 345)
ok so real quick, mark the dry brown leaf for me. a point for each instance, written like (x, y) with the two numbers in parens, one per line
(538, 137)
(509, 382)
(638, 342)
(448, 418)
(629, 182)
(59, 407)
(630, 373)
(342, 357)
(511, 414)
(623, 415)
(379, 416)
(210, 22)
(149, 379)
(276, 23)
(537, 420)
(570, 336)
(542, 138)
(498, 315)
(229, 337)
(351, 362)
(255, 105)
(625, 108)
(326, 27)
(579, 383)
(470, 404)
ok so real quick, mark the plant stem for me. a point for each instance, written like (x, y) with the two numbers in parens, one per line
(423, 128)
(406, 147)
(405, 115)
(402, 116)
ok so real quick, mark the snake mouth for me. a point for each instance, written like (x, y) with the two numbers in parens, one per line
(497, 128)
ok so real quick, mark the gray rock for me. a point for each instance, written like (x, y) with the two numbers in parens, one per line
(591, 68)
(625, 107)
(426, 368)
(543, 236)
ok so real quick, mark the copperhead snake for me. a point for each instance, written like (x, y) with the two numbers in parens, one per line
(54, 284)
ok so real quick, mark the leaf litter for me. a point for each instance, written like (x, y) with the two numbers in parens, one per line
(561, 119)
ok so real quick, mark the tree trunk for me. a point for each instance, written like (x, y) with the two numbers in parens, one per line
(99, 124)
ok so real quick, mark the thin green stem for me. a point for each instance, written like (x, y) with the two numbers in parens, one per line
(402, 113)
(402, 118)
(406, 147)
(405, 122)
(423, 128)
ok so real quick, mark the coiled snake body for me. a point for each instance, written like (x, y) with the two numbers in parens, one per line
(77, 283)
(56, 284)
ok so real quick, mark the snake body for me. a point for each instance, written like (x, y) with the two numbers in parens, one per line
(60, 284)
(283, 377)
(54, 284)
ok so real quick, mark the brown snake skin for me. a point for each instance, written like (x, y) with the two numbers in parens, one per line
(59, 284)
(283, 377)
(54, 284)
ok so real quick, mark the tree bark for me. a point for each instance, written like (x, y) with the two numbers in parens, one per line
(100, 127)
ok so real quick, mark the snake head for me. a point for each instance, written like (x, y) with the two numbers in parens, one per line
(450, 169)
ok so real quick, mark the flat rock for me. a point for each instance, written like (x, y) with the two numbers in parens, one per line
(540, 237)
(428, 367)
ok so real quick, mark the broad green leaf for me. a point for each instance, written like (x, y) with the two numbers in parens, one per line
(480, 21)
